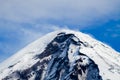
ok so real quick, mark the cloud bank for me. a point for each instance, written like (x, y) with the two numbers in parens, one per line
(82, 12)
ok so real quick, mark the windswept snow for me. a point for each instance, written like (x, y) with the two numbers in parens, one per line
(107, 59)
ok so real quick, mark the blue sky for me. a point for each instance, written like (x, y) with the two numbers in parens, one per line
(23, 21)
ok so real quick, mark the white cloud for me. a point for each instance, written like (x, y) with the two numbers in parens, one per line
(36, 31)
(14, 37)
(22, 34)
(26, 34)
(64, 11)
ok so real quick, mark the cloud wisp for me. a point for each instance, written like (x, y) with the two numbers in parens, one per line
(14, 37)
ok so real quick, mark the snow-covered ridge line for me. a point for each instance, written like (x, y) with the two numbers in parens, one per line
(69, 48)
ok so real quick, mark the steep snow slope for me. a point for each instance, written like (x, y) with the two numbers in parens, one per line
(76, 51)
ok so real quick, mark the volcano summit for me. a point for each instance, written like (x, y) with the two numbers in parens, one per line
(63, 55)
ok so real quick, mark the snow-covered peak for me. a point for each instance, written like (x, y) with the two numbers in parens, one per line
(57, 54)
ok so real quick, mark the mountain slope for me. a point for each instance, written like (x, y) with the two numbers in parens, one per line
(63, 55)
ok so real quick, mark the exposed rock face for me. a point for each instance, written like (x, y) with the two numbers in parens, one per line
(61, 60)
